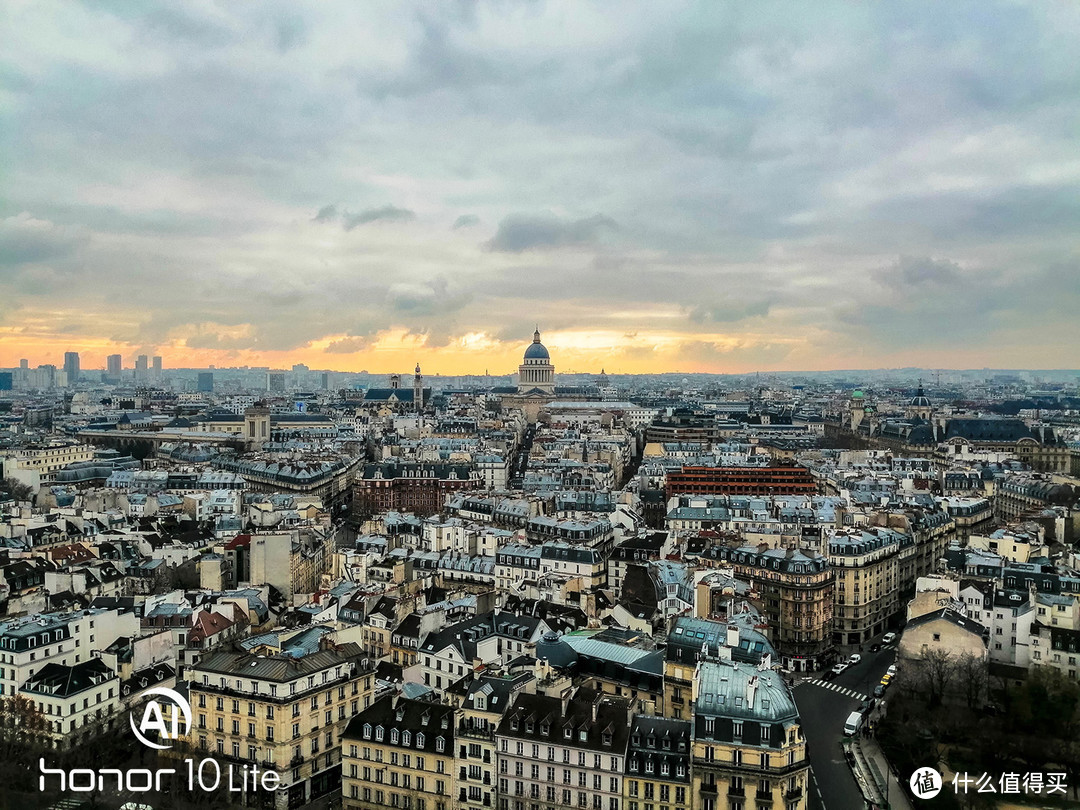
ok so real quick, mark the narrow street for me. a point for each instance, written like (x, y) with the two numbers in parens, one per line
(824, 706)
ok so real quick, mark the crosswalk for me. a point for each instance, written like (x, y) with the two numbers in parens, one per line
(843, 690)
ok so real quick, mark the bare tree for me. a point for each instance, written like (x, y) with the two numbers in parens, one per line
(938, 670)
(973, 675)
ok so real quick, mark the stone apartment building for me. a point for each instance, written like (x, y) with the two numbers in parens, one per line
(563, 752)
(690, 641)
(865, 565)
(284, 712)
(658, 764)
(399, 753)
(477, 754)
(29, 643)
(748, 747)
(796, 590)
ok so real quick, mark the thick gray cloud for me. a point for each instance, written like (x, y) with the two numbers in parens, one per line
(387, 213)
(830, 185)
(26, 240)
(466, 221)
(328, 213)
(522, 232)
(346, 345)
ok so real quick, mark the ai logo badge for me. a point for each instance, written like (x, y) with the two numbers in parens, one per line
(153, 719)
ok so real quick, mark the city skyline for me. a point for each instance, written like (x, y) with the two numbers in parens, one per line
(701, 189)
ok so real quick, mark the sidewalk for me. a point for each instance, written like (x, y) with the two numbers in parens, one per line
(891, 792)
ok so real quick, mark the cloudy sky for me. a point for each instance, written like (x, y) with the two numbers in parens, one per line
(660, 186)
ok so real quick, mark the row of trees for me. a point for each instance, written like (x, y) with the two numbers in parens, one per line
(948, 705)
(10, 488)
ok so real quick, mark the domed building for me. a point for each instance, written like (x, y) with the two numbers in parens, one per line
(536, 372)
(919, 407)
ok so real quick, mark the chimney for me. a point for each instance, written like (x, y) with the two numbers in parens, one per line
(751, 690)
(732, 636)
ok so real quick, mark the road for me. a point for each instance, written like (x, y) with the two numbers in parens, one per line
(521, 460)
(823, 707)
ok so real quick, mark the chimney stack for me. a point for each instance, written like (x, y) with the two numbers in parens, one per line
(751, 690)
(732, 636)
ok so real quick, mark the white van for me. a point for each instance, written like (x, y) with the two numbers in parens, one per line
(853, 724)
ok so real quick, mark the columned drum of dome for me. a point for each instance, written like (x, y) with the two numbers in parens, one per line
(536, 371)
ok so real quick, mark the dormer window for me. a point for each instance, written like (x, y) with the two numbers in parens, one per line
(367, 731)
(424, 718)
(633, 766)
(419, 739)
(379, 733)
(680, 770)
(444, 721)
(607, 738)
(394, 736)
(529, 726)
(652, 741)
(637, 739)
(399, 715)
(665, 768)
(406, 738)
(648, 766)
(583, 735)
(545, 728)
(514, 723)
(568, 732)
(667, 744)
(440, 744)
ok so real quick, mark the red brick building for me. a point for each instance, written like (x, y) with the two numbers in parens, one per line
(793, 480)
(413, 487)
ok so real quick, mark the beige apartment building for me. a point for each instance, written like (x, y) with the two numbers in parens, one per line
(283, 712)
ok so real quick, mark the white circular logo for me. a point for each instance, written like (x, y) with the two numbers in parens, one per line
(926, 783)
(153, 718)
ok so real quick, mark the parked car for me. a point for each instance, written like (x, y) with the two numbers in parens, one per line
(892, 669)
(828, 675)
(886, 679)
(875, 647)
(839, 668)
(888, 638)
(854, 658)
(879, 690)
